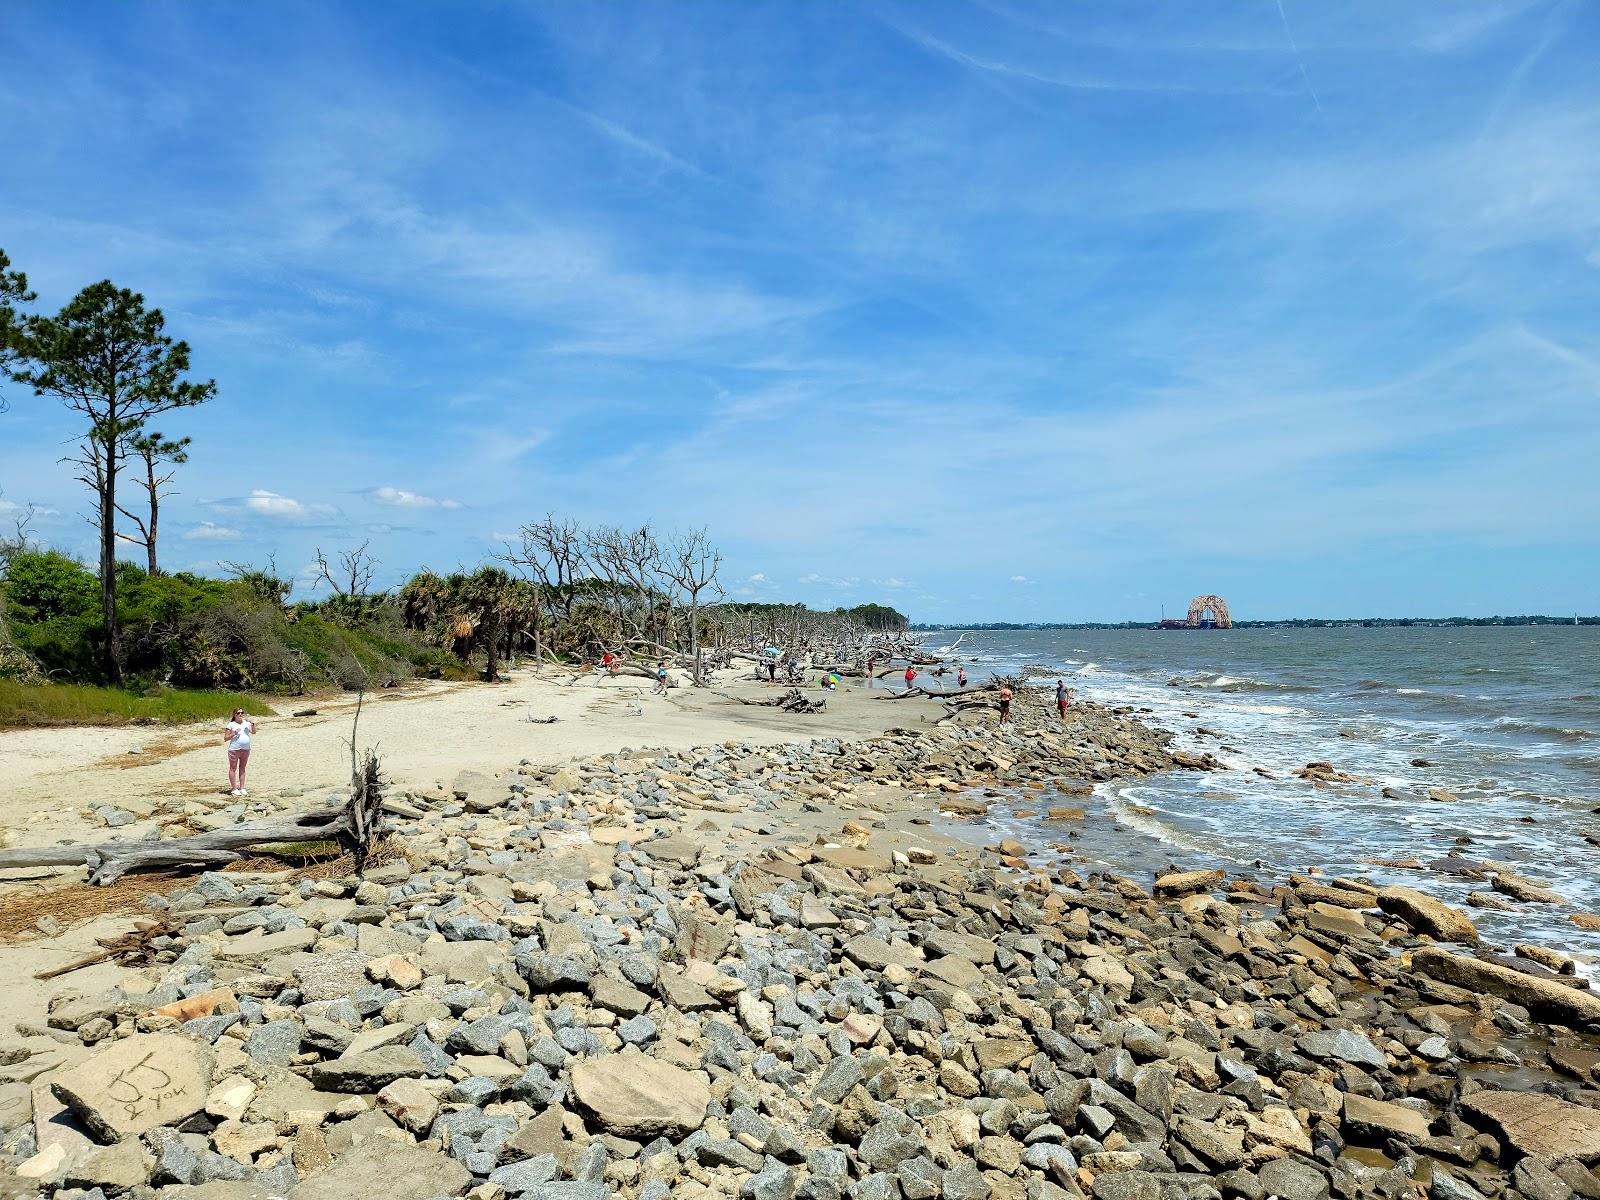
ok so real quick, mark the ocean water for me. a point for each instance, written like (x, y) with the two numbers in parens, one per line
(1509, 716)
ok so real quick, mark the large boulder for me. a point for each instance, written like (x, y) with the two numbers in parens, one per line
(1537, 1124)
(1545, 998)
(638, 1097)
(1427, 915)
(138, 1084)
(1374, 1122)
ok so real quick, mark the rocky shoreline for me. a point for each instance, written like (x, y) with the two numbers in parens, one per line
(770, 972)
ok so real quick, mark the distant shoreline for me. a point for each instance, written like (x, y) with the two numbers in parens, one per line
(1288, 623)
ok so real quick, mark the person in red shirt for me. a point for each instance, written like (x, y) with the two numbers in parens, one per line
(608, 660)
(911, 674)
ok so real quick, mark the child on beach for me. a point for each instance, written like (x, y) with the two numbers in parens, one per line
(911, 675)
(961, 677)
(240, 729)
(1005, 704)
(661, 679)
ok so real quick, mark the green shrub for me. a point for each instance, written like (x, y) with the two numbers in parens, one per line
(31, 704)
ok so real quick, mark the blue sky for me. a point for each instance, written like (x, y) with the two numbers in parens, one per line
(986, 310)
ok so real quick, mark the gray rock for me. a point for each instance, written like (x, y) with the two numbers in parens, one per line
(773, 1182)
(523, 1176)
(887, 1144)
(482, 1036)
(966, 1182)
(1538, 1182)
(725, 1152)
(637, 1031)
(553, 973)
(274, 1044)
(836, 1080)
(331, 976)
(1292, 1179)
(1345, 1045)
(1127, 1185)
(368, 1072)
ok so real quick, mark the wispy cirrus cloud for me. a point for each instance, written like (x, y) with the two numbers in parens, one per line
(400, 498)
(208, 531)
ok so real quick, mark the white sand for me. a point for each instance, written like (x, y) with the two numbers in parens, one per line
(424, 736)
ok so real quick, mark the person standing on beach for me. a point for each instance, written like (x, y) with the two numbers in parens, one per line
(871, 662)
(911, 675)
(661, 678)
(240, 729)
(1063, 698)
(961, 677)
(1005, 704)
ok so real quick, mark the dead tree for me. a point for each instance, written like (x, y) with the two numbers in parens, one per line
(354, 576)
(155, 452)
(692, 564)
(553, 553)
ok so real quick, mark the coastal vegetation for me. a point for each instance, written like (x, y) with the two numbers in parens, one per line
(561, 592)
(25, 704)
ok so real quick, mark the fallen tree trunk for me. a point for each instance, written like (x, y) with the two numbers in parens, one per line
(939, 693)
(109, 861)
(356, 825)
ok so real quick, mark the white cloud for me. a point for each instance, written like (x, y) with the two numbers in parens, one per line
(892, 583)
(11, 506)
(758, 577)
(208, 531)
(272, 504)
(401, 498)
(1019, 579)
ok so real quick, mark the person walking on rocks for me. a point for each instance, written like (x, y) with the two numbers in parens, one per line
(1063, 698)
(1005, 703)
(661, 679)
(237, 735)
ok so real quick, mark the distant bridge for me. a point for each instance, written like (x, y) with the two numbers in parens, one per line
(1216, 605)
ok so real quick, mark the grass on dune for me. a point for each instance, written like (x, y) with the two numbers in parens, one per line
(24, 705)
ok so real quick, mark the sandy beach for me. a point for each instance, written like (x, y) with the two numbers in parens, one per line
(425, 733)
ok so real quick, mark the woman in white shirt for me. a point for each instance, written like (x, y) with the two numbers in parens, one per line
(238, 734)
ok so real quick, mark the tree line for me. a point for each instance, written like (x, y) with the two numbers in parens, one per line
(558, 590)
(108, 359)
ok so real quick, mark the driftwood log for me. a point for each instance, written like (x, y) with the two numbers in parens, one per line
(794, 700)
(356, 825)
(940, 693)
(110, 861)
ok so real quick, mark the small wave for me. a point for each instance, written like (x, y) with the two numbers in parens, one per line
(1237, 683)
(1561, 733)
(1090, 669)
